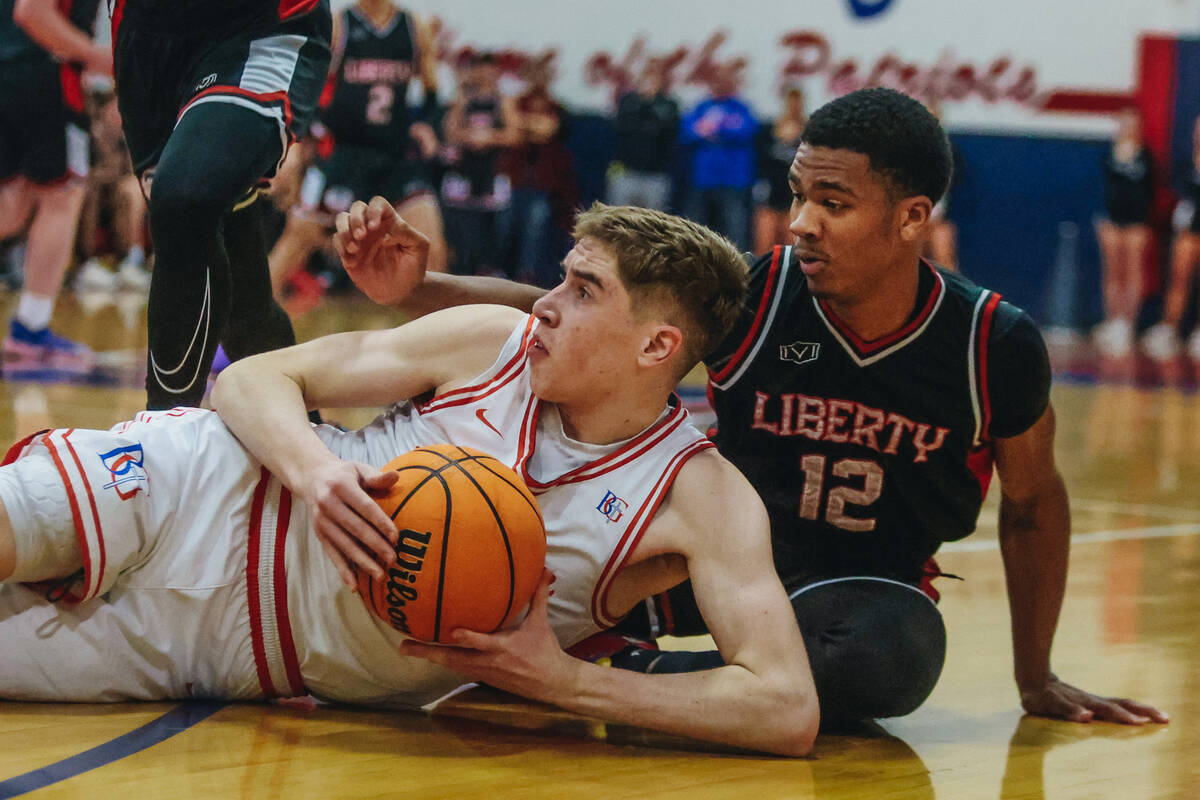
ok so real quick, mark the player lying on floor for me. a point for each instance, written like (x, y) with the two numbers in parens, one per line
(867, 395)
(183, 555)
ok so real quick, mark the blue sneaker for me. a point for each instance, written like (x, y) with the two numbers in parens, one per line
(47, 348)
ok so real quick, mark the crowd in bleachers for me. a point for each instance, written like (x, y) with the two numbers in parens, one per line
(502, 165)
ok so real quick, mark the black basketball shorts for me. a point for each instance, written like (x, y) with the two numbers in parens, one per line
(356, 172)
(277, 73)
(43, 128)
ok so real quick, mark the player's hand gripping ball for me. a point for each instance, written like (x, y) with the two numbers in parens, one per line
(471, 550)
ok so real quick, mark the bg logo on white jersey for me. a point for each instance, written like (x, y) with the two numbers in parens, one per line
(612, 507)
(125, 466)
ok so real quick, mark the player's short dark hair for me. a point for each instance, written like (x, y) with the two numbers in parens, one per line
(901, 137)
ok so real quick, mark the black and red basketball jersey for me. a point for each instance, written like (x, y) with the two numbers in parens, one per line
(365, 101)
(208, 17)
(15, 44)
(869, 455)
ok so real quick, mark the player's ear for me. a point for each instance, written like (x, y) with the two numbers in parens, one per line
(662, 342)
(913, 215)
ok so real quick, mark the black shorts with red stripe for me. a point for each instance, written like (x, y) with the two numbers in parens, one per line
(276, 70)
(43, 127)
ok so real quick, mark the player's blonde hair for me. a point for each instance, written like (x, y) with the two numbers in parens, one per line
(693, 275)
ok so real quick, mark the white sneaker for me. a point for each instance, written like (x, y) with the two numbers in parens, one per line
(1160, 342)
(93, 276)
(133, 276)
(1193, 345)
(1114, 337)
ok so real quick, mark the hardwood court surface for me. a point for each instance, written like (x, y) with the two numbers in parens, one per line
(1130, 626)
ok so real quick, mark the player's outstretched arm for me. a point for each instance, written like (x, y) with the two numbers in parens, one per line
(263, 400)
(385, 257)
(1035, 531)
(763, 699)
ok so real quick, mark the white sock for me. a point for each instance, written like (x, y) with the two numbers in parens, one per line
(34, 310)
(136, 255)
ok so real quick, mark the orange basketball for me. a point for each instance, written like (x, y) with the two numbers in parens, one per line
(471, 549)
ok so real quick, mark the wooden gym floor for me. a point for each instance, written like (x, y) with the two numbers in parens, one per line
(1128, 444)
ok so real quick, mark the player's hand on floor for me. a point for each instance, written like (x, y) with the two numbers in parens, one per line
(353, 530)
(1060, 700)
(525, 660)
(382, 254)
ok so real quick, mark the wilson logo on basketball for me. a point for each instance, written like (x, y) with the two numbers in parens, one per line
(471, 548)
(410, 558)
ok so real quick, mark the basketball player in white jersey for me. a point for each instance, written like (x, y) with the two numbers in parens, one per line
(194, 563)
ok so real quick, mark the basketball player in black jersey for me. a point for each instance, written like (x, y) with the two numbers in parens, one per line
(372, 143)
(867, 395)
(211, 94)
(44, 48)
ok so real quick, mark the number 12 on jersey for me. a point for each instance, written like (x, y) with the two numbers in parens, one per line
(839, 497)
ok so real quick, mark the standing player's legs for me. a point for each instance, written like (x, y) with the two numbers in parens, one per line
(421, 211)
(301, 236)
(257, 322)
(42, 140)
(215, 155)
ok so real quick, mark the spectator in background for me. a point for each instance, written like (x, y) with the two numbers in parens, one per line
(776, 145)
(1162, 340)
(720, 132)
(373, 142)
(542, 171)
(1124, 233)
(647, 127)
(479, 123)
(113, 203)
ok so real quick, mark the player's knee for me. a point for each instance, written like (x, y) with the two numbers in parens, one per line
(882, 659)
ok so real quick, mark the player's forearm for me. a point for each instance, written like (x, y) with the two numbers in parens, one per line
(267, 412)
(50, 29)
(440, 290)
(729, 705)
(1035, 543)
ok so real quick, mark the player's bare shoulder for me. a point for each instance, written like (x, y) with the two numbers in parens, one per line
(710, 501)
(469, 338)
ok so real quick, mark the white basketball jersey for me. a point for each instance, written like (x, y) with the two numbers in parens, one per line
(597, 500)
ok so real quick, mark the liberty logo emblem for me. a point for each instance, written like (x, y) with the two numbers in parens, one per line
(800, 352)
(124, 464)
(612, 507)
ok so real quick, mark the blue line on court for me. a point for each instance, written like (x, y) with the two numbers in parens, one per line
(177, 720)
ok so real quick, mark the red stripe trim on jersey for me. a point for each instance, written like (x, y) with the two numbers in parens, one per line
(980, 461)
(525, 443)
(72, 87)
(99, 577)
(15, 451)
(76, 517)
(118, 13)
(985, 329)
(620, 457)
(467, 394)
(865, 347)
(764, 303)
(290, 8)
(267, 99)
(287, 644)
(252, 588)
(636, 530)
